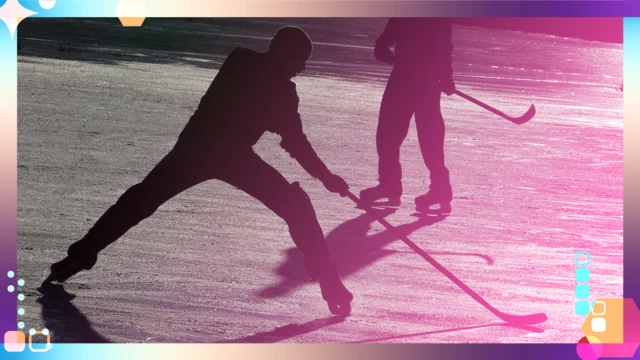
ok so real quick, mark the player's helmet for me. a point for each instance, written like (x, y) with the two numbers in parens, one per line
(292, 39)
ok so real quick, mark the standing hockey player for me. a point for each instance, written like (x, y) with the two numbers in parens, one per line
(422, 69)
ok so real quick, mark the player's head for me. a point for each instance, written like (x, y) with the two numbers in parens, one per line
(292, 47)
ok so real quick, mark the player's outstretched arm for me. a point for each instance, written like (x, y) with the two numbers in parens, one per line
(295, 142)
(299, 147)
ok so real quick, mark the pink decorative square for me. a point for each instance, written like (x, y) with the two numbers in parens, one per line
(14, 341)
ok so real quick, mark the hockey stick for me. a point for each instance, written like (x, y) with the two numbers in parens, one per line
(519, 120)
(513, 319)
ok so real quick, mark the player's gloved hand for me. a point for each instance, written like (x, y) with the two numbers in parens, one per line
(447, 86)
(383, 54)
(336, 184)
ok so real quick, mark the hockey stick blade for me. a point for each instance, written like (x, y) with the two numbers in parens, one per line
(513, 319)
(516, 120)
(525, 117)
(521, 319)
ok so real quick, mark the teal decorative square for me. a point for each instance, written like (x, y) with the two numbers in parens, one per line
(582, 291)
(583, 308)
(580, 262)
(582, 274)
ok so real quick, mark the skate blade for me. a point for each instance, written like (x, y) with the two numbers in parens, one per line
(339, 309)
(442, 210)
(61, 272)
(391, 202)
(51, 278)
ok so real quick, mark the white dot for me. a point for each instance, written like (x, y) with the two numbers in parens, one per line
(21, 297)
(598, 324)
(45, 331)
(20, 282)
(47, 4)
(11, 288)
(32, 332)
(11, 274)
(21, 312)
(20, 325)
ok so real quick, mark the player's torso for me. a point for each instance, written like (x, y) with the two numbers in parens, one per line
(419, 42)
(243, 102)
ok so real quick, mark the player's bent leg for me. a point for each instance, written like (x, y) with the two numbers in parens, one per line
(308, 236)
(291, 203)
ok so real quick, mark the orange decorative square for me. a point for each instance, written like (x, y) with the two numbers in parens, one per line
(48, 344)
(599, 308)
(605, 321)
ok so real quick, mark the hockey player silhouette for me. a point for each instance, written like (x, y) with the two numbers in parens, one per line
(422, 69)
(251, 94)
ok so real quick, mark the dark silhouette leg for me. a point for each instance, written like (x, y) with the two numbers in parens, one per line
(396, 109)
(257, 178)
(176, 172)
(431, 133)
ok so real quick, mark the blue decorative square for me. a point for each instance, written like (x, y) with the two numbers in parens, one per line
(582, 274)
(582, 291)
(583, 308)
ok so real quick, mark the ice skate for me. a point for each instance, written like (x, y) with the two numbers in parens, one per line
(66, 268)
(335, 293)
(370, 196)
(441, 196)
